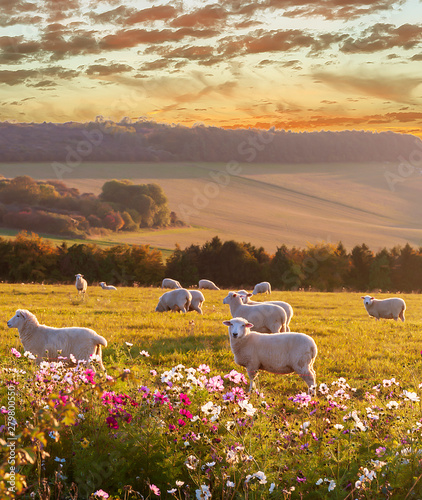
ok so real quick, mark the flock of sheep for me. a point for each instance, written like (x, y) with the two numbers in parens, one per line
(271, 346)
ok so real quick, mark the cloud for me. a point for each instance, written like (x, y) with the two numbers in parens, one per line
(124, 39)
(105, 70)
(16, 77)
(208, 16)
(384, 37)
(392, 88)
(155, 13)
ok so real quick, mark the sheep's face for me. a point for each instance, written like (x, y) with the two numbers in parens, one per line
(367, 300)
(244, 296)
(230, 297)
(18, 319)
(160, 307)
(237, 327)
(79, 276)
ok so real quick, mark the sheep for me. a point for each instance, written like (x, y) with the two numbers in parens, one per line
(286, 306)
(81, 284)
(197, 300)
(267, 318)
(174, 300)
(207, 284)
(169, 283)
(277, 353)
(47, 341)
(107, 287)
(392, 308)
(263, 287)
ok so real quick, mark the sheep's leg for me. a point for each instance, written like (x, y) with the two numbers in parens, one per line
(252, 374)
(309, 378)
(401, 315)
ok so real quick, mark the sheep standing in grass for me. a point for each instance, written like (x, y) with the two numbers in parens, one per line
(263, 287)
(285, 305)
(392, 308)
(267, 318)
(174, 300)
(81, 284)
(197, 300)
(277, 353)
(169, 283)
(46, 341)
(104, 286)
(208, 285)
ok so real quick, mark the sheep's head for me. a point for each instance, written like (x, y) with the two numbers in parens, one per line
(231, 296)
(237, 327)
(79, 276)
(20, 317)
(367, 300)
(244, 295)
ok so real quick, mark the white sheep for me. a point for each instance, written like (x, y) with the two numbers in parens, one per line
(285, 305)
(392, 308)
(104, 286)
(46, 341)
(169, 283)
(267, 318)
(174, 300)
(277, 353)
(81, 284)
(208, 285)
(263, 287)
(197, 300)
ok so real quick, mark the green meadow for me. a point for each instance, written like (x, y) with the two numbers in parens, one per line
(169, 421)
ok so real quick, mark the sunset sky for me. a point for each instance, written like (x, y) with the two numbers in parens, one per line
(295, 65)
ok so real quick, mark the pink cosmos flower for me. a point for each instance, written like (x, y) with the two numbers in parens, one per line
(101, 494)
(204, 369)
(181, 422)
(15, 352)
(236, 377)
(186, 413)
(215, 384)
(185, 399)
(154, 489)
(112, 422)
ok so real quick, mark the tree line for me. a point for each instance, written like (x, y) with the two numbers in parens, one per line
(52, 207)
(69, 144)
(230, 264)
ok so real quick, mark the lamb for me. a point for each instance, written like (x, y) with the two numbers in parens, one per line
(81, 284)
(286, 306)
(263, 287)
(267, 318)
(207, 284)
(107, 287)
(174, 300)
(197, 300)
(392, 308)
(277, 353)
(46, 341)
(169, 283)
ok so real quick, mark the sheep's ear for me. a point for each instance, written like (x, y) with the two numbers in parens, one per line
(248, 325)
(249, 294)
(235, 294)
(23, 313)
(372, 298)
(362, 297)
(227, 322)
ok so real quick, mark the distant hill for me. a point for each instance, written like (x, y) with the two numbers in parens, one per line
(126, 141)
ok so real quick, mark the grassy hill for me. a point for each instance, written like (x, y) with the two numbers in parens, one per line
(266, 204)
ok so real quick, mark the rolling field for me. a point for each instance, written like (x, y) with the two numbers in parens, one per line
(266, 204)
(171, 418)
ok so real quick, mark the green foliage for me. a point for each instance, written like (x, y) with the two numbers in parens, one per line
(52, 207)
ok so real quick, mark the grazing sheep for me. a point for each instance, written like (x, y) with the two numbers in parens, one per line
(47, 341)
(81, 284)
(107, 287)
(208, 285)
(169, 283)
(267, 318)
(197, 300)
(286, 306)
(277, 353)
(392, 308)
(263, 287)
(175, 300)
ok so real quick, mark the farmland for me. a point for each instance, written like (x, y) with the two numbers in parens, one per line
(265, 204)
(362, 357)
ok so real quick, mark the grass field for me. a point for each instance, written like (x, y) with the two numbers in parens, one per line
(267, 204)
(352, 346)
